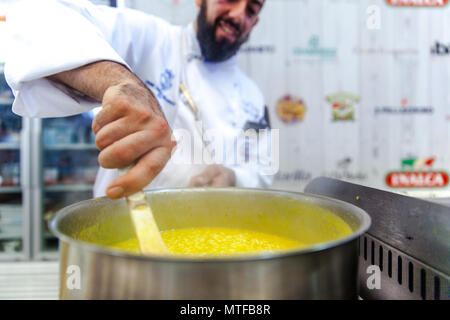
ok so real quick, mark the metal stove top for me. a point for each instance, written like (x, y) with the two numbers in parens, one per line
(408, 242)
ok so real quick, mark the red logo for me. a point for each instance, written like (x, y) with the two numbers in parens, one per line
(417, 3)
(426, 179)
(2, 18)
(404, 102)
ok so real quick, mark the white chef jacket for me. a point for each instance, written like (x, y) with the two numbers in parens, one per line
(49, 36)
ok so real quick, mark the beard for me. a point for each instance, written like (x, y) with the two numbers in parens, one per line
(214, 50)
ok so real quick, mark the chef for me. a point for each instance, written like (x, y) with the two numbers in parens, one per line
(153, 80)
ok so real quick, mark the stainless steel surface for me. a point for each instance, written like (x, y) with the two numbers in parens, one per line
(414, 231)
(402, 276)
(324, 271)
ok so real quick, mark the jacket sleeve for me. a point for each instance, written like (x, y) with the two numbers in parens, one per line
(50, 36)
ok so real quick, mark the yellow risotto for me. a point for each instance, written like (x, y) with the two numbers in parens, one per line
(215, 241)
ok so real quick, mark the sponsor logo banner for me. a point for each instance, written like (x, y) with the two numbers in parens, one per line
(344, 172)
(314, 49)
(385, 51)
(417, 3)
(440, 49)
(404, 109)
(432, 179)
(418, 163)
(343, 105)
(298, 175)
(258, 49)
(417, 173)
(291, 109)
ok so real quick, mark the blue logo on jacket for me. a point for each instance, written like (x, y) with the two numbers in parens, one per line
(165, 83)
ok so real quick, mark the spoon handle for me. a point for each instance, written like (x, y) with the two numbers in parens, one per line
(145, 227)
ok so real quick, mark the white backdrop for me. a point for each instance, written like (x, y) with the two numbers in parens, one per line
(388, 80)
(402, 113)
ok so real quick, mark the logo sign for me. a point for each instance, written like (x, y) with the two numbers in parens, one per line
(417, 3)
(417, 173)
(342, 104)
(2, 18)
(291, 109)
(176, 2)
(343, 171)
(440, 49)
(417, 163)
(258, 49)
(417, 179)
(386, 51)
(404, 109)
(314, 49)
(298, 175)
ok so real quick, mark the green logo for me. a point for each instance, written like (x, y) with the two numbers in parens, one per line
(343, 105)
(315, 50)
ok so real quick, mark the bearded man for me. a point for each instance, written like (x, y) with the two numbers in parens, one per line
(151, 78)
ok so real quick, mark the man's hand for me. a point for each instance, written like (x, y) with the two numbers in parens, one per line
(130, 128)
(215, 176)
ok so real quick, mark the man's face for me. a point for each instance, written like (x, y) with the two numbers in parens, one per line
(224, 25)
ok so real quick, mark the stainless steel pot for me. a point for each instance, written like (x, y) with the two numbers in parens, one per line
(325, 270)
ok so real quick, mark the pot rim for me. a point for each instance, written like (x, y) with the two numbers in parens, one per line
(314, 199)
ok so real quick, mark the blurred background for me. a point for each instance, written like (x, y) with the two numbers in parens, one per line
(359, 90)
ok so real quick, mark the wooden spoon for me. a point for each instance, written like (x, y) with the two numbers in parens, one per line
(145, 227)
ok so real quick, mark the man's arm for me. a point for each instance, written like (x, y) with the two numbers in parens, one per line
(130, 128)
(48, 37)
